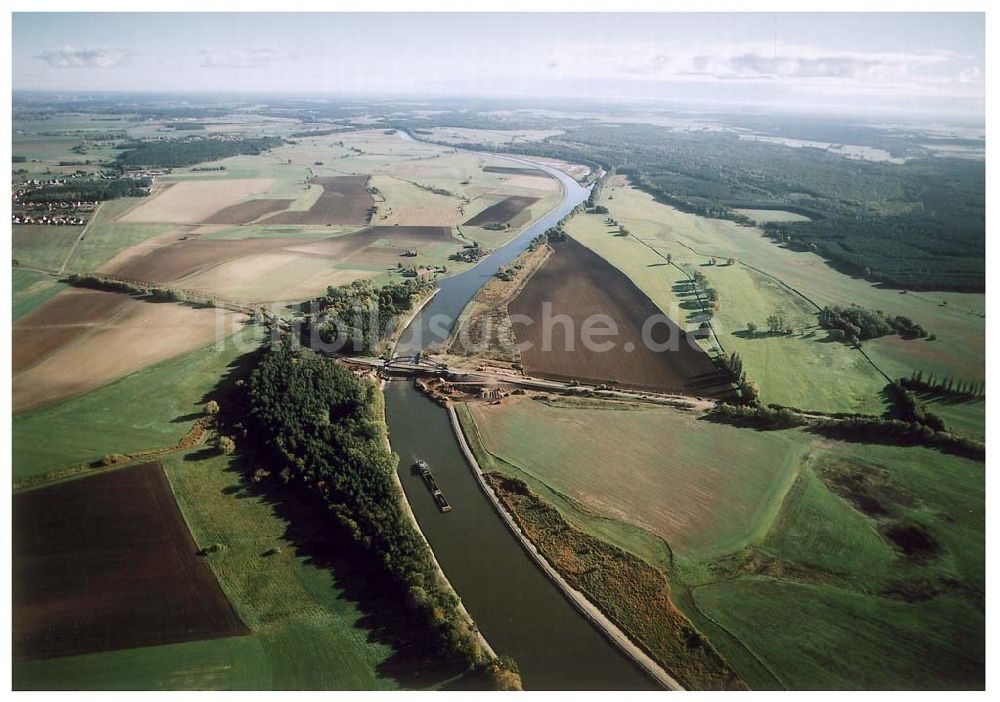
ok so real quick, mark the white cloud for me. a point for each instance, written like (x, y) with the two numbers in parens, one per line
(101, 57)
(768, 60)
(970, 75)
(757, 61)
(246, 58)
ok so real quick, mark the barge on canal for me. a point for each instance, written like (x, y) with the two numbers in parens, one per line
(424, 470)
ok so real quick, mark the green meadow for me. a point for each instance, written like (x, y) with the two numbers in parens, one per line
(809, 563)
(148, 409)
(801, 369)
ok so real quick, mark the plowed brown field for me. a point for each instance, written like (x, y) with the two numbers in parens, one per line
(503, 211)
(578, 283)
(60, 321)
(246, 212)
(106, 563)
(180, 259)
(345, 200)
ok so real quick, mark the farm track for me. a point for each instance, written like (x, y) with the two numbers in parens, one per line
(753, 654)
(76, 243)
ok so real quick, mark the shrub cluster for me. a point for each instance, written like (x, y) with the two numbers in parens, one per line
(757, 416)
(100, 282)
(859, 324)
(732, 366)
(910, 409)
(469, 253)
(896, 431)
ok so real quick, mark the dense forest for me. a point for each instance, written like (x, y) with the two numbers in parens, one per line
(187, 152)
(323, 429)
(918, 225)
(88, 190)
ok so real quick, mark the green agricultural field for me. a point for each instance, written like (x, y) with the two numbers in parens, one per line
(106, 238)
(801, 370)
(45, 153)
(236, 663)
(701, 486)
(781, 546)
(821, 638)
(151, 408)
(31, 289)
(966, 418)
(642, 542)
(836, 584)
(307, 622)
(797, 370)
(43, 245)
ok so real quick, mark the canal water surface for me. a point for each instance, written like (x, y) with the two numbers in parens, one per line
(519, 610)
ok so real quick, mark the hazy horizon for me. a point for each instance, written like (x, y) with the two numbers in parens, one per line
(851, 62)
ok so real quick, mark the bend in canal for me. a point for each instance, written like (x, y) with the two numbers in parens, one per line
(519, 610)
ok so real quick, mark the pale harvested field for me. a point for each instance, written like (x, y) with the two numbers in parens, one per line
(193, 202)
(178, 259)
(536, 183)
(273, 277)
(576, 171)
(408, 204)
(279, 268)
(137, 335)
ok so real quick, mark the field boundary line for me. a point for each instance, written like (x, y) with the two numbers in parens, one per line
(734, 637)
(195, 436)
(687, 277)
(600, 621)
(76, 243)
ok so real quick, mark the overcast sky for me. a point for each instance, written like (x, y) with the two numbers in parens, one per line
(877, 62)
